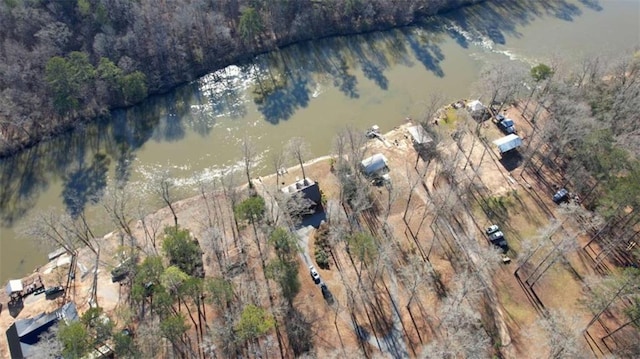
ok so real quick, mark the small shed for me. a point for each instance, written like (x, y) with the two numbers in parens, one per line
(419, 136)
(14, 287)
(508, 143)
(374, 165)
(475, 106)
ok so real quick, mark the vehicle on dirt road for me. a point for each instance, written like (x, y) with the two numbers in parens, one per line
(561, 196)
(314, 274)
(492, 229)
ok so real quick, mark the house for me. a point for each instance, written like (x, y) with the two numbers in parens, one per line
(508, 143)
(24, 334)
(307, 188)
(14, 289)
(375, 165)
(419, 136)
(475, 106)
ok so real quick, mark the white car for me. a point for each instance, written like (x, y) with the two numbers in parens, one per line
(314, 274)
(496, 236)
(492, 229)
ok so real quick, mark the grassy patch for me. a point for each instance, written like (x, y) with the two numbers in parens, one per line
(450, 118)
(521, 312)
(498, 206)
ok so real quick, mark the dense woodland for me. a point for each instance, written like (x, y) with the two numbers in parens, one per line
(65, 61)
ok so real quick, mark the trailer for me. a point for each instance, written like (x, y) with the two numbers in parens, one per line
(508, 143)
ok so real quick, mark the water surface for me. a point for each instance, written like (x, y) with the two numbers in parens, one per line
(309, 90)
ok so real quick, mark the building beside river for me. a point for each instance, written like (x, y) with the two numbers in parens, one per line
(24, 335)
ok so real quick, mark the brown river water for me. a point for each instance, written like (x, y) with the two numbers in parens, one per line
(313, 89)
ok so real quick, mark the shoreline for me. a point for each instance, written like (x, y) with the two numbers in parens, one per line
(188, 201)
(15, 147)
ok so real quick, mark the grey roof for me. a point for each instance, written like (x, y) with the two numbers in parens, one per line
(24, 334)
(419, 135)
(507, 143)
(374, 164)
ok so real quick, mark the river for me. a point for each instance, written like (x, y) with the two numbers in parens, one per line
(312, 90)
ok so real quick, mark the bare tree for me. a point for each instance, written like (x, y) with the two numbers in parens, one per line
(150, 225)
(162, 185)
(298, 148)
(562, 334)
(431, 107)
(117, 203)
(278, 161)
(249, 154)
(460, 325)
(501, 82)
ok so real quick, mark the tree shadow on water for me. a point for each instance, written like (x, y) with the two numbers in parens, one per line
(425, 50)
(283, 102)
(85, 185)
(592, 4)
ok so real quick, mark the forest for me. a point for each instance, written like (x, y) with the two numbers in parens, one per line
(62, 62)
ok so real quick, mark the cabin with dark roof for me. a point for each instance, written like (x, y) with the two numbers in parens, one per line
(307, 188)
(24, 334)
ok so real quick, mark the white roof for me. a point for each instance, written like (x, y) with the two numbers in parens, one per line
(374, 163)
(14, 285)
(508, 142)
(475, 105)
(420, 136)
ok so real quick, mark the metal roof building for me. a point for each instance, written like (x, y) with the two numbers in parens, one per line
(23, 335)
(508, 143)
(374, 164)
(419, 135)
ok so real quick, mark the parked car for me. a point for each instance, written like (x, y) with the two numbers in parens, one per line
(314, 274)
(497, 239)
(326, 294)
(496, 236)
(53, 291)
(492, 229)
(561, 196)
(507, 126)
(119, 273)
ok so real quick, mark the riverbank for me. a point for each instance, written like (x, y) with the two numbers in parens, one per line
(17, 134)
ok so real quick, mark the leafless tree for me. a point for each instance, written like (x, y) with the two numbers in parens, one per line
(501, 82)
(60, 229)
(562, 335)
(213, 239)
(431, 107)
(350, 146)
(162, 185)
(150, 225)
(462, 335)
(249, 157)
(117, 203)
(294, 207)
(278, 162)
(298, 148)
(149, 337)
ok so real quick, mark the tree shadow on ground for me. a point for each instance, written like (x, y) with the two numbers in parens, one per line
(299, 332)
(512, 160)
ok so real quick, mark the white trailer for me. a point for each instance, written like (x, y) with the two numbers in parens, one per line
(508, 143)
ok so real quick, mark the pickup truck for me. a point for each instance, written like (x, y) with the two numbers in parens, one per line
(506, 124)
